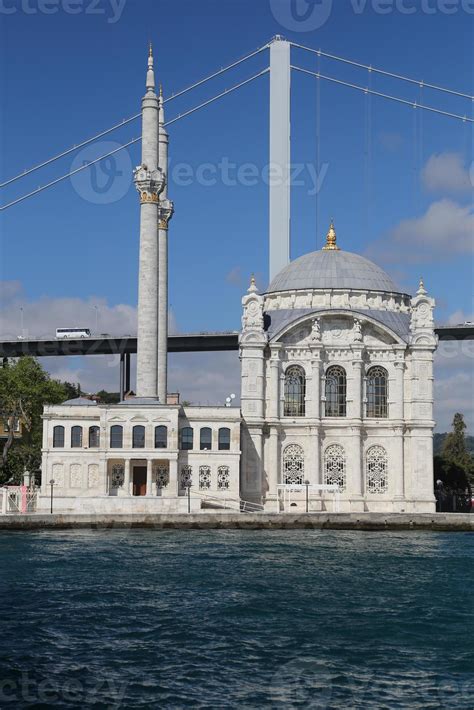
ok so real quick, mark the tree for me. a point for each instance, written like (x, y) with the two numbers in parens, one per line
(454, 448)
(25, 388)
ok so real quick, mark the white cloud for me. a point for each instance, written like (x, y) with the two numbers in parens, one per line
(446, 229)
(446, 173)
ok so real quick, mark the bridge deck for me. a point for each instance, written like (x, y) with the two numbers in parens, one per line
(183, 343)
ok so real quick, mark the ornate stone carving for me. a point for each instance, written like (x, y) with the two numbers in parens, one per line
(165, 212)
(93, 476)
(58, 474)
(117, 475)
(149, 183)
(335, 466)
(315, 335)
(357, 330)
(204, 478)
(75, 474)
(161, 475)
(223, 478)
(252, 319)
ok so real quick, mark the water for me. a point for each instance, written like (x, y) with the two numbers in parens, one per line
(230, 619)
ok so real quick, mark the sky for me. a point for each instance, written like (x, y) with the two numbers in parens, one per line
(397, 180)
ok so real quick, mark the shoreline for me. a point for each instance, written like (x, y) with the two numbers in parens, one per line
(438, 522)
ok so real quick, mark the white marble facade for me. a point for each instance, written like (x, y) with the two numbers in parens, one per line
(337, 387)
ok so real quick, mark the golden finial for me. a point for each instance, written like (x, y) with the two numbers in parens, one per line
(331, 239)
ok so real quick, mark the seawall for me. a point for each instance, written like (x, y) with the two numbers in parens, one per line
(456, 522)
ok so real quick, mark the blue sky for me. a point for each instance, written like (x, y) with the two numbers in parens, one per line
(68, 76)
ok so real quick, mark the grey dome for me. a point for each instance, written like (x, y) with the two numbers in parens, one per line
(332, 269)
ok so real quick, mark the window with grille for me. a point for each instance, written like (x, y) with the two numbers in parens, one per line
(58, 437)
(293, 464)
(186, 477)
(335, 466)
(335, 391)
(295, 390)
(223, 478)
(204, 477)
(376, 470)
(76, 437)
(377, 392)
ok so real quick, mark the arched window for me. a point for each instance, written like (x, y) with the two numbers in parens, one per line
(116, 436)
(138, 437)
(186, 438)
(295, 389)
(224, 439)
(58, 437)
(335, 466)
(94, 437)
(376, 470)
(204, 477)
(76, 437)
(206, 439)
(335, 391)
(377, 392)
(293, 464)
(161, 437)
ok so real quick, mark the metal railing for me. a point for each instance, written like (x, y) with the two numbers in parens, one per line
(236, 504)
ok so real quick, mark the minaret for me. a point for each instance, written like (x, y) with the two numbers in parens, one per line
(149, 183)
(165, 212)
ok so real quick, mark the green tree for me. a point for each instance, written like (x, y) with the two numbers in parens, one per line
(25, 388)
(455, 449)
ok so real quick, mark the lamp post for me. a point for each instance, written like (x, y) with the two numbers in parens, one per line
(96, 308)
(307, 495)
(189, 497)
(51, 483)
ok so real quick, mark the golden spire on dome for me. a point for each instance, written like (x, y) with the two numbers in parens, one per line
(331, 239)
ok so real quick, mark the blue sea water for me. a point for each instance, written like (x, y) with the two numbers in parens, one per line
(236, 619)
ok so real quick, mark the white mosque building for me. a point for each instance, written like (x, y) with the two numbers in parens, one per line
(336, 391)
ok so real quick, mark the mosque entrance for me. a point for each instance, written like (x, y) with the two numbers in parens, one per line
(139, 481)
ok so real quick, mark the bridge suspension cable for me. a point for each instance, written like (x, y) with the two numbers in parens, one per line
(370, 68)
(132, 118)
(366, 90)
(134, 140)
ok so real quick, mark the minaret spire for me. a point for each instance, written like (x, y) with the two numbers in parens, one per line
(149, 182)
(150, 75)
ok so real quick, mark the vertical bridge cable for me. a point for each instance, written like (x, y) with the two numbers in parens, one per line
(318, 150)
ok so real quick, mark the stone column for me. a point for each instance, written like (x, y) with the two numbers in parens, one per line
(355, 393)
(315, 404)
(273, 467)
(396, 392)
(354, 468)
(397, 465)
(126, 482)
(149, 477)
(314, 474)
(165, 214)
(273, 400)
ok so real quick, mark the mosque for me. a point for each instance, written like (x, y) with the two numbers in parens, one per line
(336, 391)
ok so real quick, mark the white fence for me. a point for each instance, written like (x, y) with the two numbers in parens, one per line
(285, 490)
(18, 499)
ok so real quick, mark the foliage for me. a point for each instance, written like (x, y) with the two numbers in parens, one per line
(453, 470)
(25, 388)
(108, 397)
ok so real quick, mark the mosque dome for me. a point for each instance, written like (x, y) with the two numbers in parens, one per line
(332, 267)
